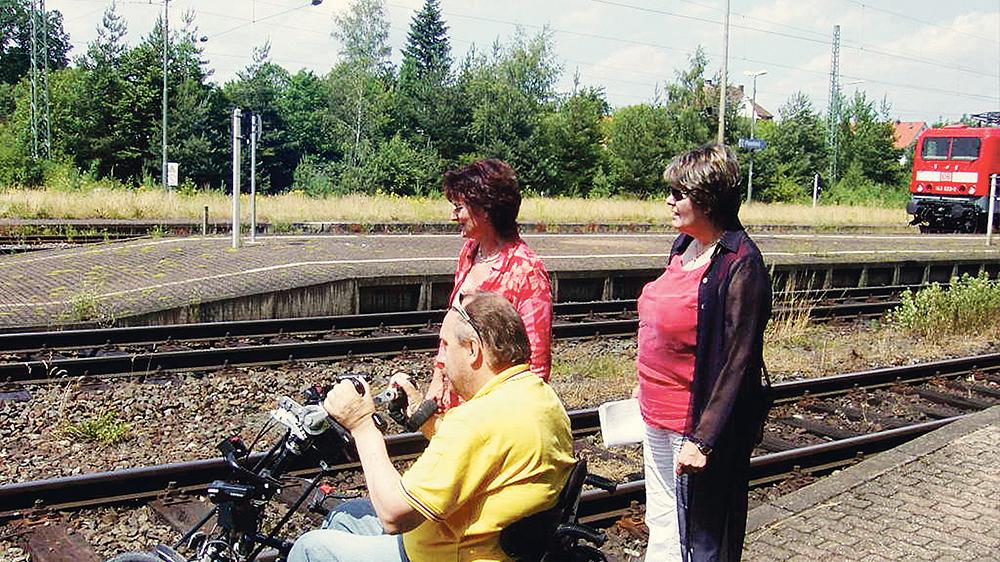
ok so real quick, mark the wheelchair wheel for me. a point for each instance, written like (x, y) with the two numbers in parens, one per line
(135, 557)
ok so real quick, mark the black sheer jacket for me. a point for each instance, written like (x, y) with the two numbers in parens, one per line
(734, 305)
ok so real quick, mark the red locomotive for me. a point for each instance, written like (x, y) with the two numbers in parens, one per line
(952, 168)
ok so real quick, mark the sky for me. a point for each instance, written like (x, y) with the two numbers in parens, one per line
(931, 60)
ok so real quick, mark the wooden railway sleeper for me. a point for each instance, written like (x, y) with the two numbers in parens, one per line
(819, 428)
(859, 415)
(967, 403)
(935, 413)
(965, 386)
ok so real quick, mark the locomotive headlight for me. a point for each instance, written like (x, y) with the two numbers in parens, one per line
(972, 190)
(920, 188)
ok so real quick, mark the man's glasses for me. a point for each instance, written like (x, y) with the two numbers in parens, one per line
(678, 193)
(457, 307)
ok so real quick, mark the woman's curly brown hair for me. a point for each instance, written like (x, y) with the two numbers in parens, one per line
(489, 185)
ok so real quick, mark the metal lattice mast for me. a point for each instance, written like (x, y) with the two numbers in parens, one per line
(833, 114)
(41, 141)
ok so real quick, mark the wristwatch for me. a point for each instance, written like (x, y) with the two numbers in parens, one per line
(702, 447)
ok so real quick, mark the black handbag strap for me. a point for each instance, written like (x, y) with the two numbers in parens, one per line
(767, 379)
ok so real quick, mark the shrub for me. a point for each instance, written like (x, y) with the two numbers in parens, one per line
(969, 305)
(314, 177)
(395, 167)
(856, 189)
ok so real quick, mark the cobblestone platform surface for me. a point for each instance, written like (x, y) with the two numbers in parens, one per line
(934, 498)
(137, 277)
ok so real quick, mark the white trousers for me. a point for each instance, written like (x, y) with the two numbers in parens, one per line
(659, 454)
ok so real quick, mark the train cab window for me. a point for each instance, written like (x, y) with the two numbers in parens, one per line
(965, 148)
(935, 148)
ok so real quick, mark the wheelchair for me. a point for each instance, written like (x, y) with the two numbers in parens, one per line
(556, 534)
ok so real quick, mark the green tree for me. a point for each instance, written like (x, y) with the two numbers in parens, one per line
(96, 137)
(569, 142)
(504, 95)
(363, 79)
(796, 151)
(691, 107)
(15, 40)
(427, 105)
(308, 122)
(870, 141)
(639, 147)
(869, 164)
(395, 166)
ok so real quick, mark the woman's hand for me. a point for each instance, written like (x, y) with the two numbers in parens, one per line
(690, 460)
(635, 391)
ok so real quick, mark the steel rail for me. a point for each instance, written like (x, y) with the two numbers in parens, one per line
(91, 337)
(141, 482)
(887, 376)
(597, 506)
(103, 488)
(82, 338)
(153, 362)
(115, 362)
(602, 508)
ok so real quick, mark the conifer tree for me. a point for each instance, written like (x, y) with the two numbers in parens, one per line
(427, 108)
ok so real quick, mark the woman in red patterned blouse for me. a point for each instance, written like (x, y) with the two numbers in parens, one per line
(487, 198)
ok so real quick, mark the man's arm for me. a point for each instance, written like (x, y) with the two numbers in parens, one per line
(354, 412)
(395, 514)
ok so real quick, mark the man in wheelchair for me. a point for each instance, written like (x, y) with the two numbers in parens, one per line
(504, 454)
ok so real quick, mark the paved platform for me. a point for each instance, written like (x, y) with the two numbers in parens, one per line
(125, 279)
(934, 498)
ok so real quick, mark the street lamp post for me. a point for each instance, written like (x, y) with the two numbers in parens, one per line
(753, 122)
(721, 135)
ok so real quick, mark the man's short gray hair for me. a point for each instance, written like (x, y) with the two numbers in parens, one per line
(500, 328)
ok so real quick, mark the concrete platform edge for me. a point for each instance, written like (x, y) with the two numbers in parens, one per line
(798, 501)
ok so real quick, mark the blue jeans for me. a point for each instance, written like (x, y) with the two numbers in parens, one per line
(351, 533)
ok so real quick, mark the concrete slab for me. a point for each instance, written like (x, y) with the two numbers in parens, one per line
(313, 275)
(934, 498)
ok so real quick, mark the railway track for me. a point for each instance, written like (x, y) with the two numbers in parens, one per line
(15, 244)
(35, 357)
(800, 438)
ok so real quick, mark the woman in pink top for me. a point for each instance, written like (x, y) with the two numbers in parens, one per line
(487, 198)
(700, 358)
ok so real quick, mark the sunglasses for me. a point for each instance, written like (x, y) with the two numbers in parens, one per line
(678, 193)
(457, 307)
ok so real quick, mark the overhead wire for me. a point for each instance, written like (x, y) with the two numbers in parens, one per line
(687, 51)
(860, 47)
(289, 8)
(918, 20)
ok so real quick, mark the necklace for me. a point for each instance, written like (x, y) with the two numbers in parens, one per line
(480, 258)
(699, 251)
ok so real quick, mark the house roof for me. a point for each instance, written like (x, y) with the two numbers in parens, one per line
(761, 112)
(905, 132)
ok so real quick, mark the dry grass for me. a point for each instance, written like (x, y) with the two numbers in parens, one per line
(585, 373)
(151, 204)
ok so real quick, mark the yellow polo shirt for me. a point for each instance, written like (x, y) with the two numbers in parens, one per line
(500, 456)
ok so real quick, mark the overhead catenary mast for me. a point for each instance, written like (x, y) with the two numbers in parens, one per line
(41, 141)
(833, 113)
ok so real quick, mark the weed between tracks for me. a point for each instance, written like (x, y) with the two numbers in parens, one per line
(104, 428)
